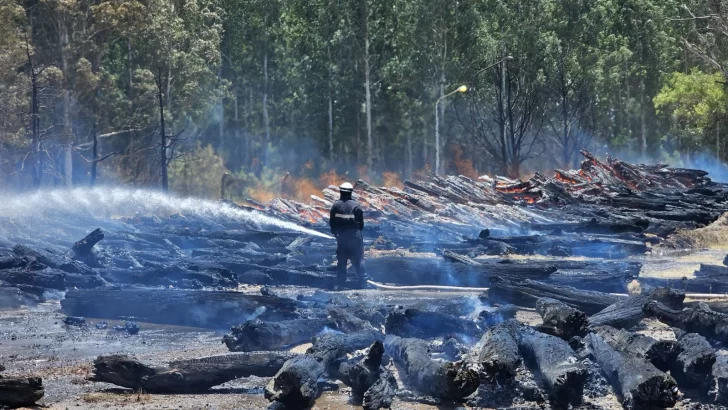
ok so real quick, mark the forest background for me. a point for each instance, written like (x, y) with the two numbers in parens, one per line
(174, 94)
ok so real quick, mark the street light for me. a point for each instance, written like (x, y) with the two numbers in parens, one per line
(460, 89)
(508, 58)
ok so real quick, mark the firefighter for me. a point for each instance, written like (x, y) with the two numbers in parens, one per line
(347, 223)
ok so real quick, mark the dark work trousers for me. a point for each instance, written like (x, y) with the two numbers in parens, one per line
(349, 247)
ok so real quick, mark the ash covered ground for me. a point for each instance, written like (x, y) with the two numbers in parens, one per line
(594, 288)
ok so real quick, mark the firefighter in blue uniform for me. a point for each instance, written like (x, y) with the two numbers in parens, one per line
(347, 223)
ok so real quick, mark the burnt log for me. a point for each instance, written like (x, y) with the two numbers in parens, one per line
(446, 380)
(527, 292)
(426, 271)
(554, 361)
(255, 335)
(720, 379)
(492, 315)
(499, 354)
(700, 284)
(566, 321)
(637, 383)
(593, 226)
(661, 353)
(629, 312)
(213, 309)
(184, 376)
(51, 260)
(696, 319)
(296, 385)
(624, 314)
(381, 394)
(20, 391)
(424, 325)
(82, 248)
(47, 278)
(362, 375)
(694, 362)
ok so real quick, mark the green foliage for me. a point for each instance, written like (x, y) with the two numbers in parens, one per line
(693, 100)
(198, 173)
(270, 86)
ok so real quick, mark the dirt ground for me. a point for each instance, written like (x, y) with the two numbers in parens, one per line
(36, 342)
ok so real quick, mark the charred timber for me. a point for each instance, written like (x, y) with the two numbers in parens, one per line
(213, 309)
(695, 360)
(720, 379)
(499, 353)
(554, 361)
(696, 319)
(447, 381)
(527, 292)
(361, 376)
(82, 249)
(255, 335)
(20, 391)
(425, 325)
(624, 314)
(425, 271)
(493, 315)
(566, 321)
(196, 375)
(637, 383)
(661, 353)
(296, 385)
(381, 394)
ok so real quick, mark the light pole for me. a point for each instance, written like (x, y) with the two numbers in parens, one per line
(472, 79)
(460, 89)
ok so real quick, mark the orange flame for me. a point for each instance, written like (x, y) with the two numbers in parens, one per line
(392, 180)
(463, 166)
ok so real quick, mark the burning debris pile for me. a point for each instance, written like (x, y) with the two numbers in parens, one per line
(186, 267)
(617, 197)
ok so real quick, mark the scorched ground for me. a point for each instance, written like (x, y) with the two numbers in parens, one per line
(588, 291)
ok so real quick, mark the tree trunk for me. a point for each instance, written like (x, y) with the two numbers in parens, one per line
(266, 117)
(367, 86)
(502, 119)
(37, 158)
(643, 120)
(63, 42)
(221, 130)
(408, 166)
(130, 84)
(95, 160)
(162, 134)
(440, 113)
(331, 110)
(236, 119)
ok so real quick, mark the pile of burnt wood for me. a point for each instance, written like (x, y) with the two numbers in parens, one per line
(615, 197)
(465, 349)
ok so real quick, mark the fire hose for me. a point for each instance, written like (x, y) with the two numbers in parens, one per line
(382, 286)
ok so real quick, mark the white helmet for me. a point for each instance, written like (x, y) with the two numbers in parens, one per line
(346, 187)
